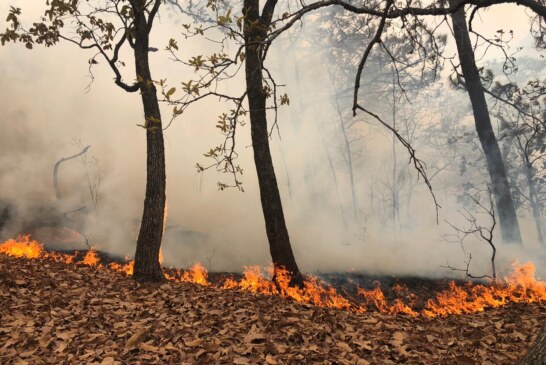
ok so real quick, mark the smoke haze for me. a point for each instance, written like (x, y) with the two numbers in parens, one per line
(45, 109)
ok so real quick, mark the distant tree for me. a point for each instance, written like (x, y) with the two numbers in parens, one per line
(495, 164)
(520, 112)
(392, 77)
(106, 27)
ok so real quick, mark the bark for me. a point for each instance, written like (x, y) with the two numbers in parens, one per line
(495, 165)
(255, 29)
(147, 267)
(537, 353)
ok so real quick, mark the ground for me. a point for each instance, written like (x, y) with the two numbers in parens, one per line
(58, 313)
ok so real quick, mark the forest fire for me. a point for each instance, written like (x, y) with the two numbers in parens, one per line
(520, 286)
(313, 292)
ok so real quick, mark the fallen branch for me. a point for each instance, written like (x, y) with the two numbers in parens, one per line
(58, 194)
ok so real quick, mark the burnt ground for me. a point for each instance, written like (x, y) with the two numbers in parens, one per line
(56, 313)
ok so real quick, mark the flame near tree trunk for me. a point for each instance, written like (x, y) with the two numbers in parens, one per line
(520, 286)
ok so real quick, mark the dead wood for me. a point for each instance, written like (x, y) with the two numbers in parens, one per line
(58, 194)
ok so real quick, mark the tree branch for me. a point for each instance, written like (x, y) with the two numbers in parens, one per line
(375, 39)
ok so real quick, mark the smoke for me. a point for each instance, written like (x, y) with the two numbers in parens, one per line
(46, 106)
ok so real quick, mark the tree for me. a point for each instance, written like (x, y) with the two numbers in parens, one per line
(520, 112)
(249, 32)
(495, 164)
(399, 65)
(106, 27)
(256, 27)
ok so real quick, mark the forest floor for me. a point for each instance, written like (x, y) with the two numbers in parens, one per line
(58, 313)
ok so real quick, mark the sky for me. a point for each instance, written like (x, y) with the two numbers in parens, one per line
(48, 102)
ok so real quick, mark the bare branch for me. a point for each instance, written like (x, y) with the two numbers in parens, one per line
(375, 39)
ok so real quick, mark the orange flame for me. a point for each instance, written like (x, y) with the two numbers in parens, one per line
(520, 286)
(197, 274)
(23, 246)
(91, 258)
(126, 269)
(312, 292)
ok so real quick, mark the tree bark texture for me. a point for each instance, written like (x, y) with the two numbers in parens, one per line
(147, 267)
(495, 164)
(537, 353)
(255, 30)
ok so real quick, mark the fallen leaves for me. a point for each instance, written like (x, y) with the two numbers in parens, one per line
(136, 338)
(54, 313)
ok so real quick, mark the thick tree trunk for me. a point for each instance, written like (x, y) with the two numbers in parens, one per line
(495, 164)
(537, 353)
(277, 233)
(147, 267)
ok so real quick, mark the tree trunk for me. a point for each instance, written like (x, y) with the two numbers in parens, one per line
(533, 200)
(537, 353)
(147, 267)
(255, 29)
(349, 159)
(495, 164)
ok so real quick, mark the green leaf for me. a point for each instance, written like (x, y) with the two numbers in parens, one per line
(170, 92)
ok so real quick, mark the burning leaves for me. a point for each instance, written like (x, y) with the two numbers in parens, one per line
(22, 247)
(54, 313)
(313, 291)
(520, 286)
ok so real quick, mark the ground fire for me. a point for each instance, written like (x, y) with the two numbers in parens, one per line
(520, 286)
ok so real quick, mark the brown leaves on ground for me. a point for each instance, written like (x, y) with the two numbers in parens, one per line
(53, 313)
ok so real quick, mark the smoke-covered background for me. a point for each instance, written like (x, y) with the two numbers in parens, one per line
(48, 112)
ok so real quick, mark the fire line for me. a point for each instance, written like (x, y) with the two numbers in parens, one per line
(520, 286)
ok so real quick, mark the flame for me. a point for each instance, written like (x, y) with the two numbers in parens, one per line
(376, 298)
(519, 286)
(91, 258)
(23, 246)
(197, 274)
(312, 292)
(126, 268)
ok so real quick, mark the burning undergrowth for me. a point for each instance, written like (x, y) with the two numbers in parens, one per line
(442, 298)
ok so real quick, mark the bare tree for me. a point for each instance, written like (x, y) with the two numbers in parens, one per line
(106, 28)
(476, 229)
(58, 194)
